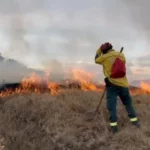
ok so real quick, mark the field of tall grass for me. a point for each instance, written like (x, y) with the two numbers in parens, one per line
(44, 122)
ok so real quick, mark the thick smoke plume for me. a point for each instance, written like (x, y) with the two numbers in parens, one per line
(11, 70)
(50, 36)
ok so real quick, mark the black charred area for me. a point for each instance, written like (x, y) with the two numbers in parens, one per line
(13, 86)
(40, 87)
(9, 86)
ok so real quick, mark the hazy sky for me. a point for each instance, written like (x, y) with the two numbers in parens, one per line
(36, 31)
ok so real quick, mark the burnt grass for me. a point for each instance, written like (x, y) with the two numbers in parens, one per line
(44, 122)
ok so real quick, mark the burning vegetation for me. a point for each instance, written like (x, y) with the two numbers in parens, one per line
(55, 120)
(80, 79)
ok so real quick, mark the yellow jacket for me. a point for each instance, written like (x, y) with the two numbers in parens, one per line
(106, 61)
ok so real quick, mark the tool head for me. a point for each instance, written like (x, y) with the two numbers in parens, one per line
(121, 49)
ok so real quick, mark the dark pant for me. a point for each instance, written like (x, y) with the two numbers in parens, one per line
(124, 94)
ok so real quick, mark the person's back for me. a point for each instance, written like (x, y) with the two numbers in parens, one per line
(107, 61)
(106, 56)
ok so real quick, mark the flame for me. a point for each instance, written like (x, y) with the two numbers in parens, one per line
(145, 86)
(85, 79)
(80, 79)
(38, 85)
(34, 83)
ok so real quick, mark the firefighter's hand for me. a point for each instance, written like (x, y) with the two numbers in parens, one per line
(98, 51)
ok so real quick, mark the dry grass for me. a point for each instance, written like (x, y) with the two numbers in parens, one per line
(43, 122)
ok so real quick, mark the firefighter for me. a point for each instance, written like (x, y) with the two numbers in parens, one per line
(105, 56)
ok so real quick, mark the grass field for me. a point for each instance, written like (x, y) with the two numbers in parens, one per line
(44, 122)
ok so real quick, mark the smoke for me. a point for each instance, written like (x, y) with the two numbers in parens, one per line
(56, 69)
(11, 70)
(19, 47)
(139, 13)
(48, 35)
(17, 6)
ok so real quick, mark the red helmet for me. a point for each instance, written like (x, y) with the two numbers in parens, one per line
(106, 47)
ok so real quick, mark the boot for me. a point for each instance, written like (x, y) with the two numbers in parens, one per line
(114, 129)
(136, 123)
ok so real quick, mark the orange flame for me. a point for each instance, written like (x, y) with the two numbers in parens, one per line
(145, 86)
(37, 84)
(85, 79)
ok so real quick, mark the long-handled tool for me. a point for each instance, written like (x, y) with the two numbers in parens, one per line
(90, 115)
(100, 101)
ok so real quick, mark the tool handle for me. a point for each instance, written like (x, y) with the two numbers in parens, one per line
(121, 49)
(100, 100)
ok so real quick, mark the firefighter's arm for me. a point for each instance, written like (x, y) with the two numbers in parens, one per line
(98, 57)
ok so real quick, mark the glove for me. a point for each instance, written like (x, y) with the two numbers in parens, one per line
(98, 51)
